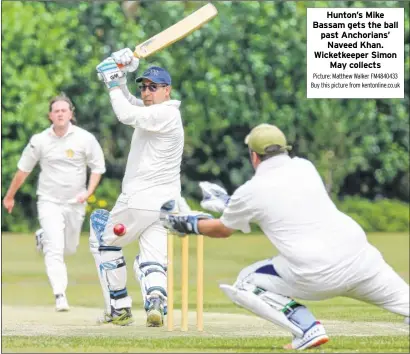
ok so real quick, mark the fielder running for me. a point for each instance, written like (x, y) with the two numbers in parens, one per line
(64, 151)
(152, 177)
(323, 253)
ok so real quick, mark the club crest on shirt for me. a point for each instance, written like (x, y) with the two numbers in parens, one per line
(69, 153)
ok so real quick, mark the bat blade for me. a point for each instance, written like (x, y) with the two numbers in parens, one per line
(176, 32)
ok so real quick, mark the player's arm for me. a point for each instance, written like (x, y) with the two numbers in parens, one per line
(237, 215)
(96, 162)
(130, 97)
(128, 113)
(155, 118)
(214, 228)
(93, 182)
(197, 223)
(28, 160)
(151, 118)
(15, 185)
(210, 227)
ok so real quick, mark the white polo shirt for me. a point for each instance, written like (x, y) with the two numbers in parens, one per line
(63, 162)
(317, 242)
(152, 174)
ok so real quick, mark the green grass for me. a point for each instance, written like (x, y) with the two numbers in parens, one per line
(189, 345)
(24, 283)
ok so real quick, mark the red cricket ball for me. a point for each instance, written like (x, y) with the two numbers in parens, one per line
(119, 229)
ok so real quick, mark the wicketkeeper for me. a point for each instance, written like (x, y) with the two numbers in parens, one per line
(152, 177)
(323, 253)
(64, 152)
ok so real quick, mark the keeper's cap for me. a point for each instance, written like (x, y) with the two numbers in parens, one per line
(267, 139)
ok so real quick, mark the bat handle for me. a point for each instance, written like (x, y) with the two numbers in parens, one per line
(121, 66)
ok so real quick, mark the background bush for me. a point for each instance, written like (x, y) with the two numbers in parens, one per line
(245, 67)
(379, 215)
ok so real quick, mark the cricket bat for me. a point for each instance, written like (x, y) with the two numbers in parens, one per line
(176, 32)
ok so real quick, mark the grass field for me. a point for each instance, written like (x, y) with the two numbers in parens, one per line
(29, 323)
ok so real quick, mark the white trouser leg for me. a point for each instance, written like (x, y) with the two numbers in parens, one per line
(280, 285)
(261, 290)
(385, 289)
(52, 222)
(73, 217)
(150, 266)
(113, 264)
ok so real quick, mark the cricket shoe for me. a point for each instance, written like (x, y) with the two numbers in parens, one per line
(118, 317)
(155, 312)
(313, 337)
(61, 303)
(39, 240)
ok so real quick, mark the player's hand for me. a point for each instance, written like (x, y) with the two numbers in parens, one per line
(8, 204)
(109, 72)
(82, 197)
(215, 198)
(184, 224)
(126, 58)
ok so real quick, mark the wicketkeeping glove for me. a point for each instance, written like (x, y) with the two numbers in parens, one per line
(215, 198)
(184, 224)
(126, 58)
(109, 72)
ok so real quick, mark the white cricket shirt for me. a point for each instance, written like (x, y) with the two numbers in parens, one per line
(63, 162)
(152, 174)
(318, 243)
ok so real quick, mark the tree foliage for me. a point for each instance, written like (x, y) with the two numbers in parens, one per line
(245, 67)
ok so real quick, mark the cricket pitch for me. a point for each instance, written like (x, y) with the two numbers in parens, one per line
(81, 321)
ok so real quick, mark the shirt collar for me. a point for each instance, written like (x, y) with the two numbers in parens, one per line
(273, 162)
(71, 128)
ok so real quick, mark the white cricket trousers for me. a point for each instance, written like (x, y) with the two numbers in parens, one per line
(62, 225)
(385, 288)
(141, 225)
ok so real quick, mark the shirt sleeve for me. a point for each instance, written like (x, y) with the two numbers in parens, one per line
(240, 211)
(131, 98)
(154, 118)
(31, 155)
(95, 156)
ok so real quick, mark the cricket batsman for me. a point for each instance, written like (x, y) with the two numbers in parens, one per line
(152, 177)
(323, 253)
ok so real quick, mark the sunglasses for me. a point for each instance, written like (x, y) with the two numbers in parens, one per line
(151, 87)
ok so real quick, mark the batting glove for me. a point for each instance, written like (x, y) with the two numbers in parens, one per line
(126, 58)
(215, 198)
(184, 224)
(109, 72)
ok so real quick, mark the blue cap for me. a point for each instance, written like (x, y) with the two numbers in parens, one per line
(156, 74)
